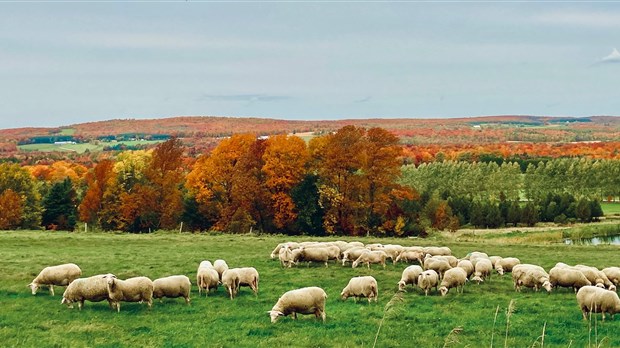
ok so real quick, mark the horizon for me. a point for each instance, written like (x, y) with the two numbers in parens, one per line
(65, 64)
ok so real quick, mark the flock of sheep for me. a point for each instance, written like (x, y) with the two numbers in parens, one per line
(436, 268)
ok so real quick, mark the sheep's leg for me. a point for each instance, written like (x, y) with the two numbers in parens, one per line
(80, 304)
(52, 289)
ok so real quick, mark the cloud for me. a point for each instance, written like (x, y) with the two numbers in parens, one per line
(363, 100)
(246, 98)
(613, 57)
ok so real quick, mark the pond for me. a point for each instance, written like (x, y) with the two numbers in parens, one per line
(614, 240)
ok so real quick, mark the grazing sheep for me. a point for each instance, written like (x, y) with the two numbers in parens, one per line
(494, 259)
(93, 289)
(454, 278)
(172, 287)
(220, 266)
(352, 254)
(506, 264)
(521, 269)
(369, 257)
(567, 277)
(427, 280)
(482, 270)
(364, 286)
(314, 255)
(613, 274)
(592, 299)
(392, 251)
(452, 261)
(310, 300)
(410, 256)
(438, 265)
(276, 250)
(438, 251)
(285, 255)
(475, 254)
(248, 276)
(205, 264)
(136, 289)
(530, 277)
(596, 277)
(410, 276)
(230, 280)
(467, 266)
(61, 275)
(207, 279)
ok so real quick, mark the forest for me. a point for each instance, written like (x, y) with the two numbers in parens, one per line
(354, 181)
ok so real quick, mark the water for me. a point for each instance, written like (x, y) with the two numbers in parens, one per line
(614, 240)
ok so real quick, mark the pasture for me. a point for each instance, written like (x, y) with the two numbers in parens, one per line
(479, 317)
(82, 147)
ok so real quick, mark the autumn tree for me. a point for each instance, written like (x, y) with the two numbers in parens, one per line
(11, 210)
(21, 182)
(97, 181)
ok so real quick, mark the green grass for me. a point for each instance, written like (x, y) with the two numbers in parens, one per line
(216, 321)
(611, 208)
(82, 147)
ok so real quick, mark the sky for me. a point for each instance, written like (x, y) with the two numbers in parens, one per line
(63, 63)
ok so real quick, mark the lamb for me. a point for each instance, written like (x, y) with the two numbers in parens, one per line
(410, 256)
(454, 278)
(220, 266)
(506, 264)
(467, 266)
(567, 277)
(230, 280)
(482, 270)
(248, 276)
(310, 300)
(61, 275)
(365, 286)
(410, 276)
(136, 289)
(369, 257)
(438, 265)
(427, 280)
(207, 278)
(613, 274)
(172, 287)
(530, 276)
(93, 289)
(352, 254)
(592, 299)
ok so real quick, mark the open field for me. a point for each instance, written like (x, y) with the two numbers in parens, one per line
(82, 147)
(611, 208)
(412, 320)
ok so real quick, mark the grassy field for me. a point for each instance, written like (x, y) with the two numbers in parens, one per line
(82, 147)
(611, 208)
(479, 317)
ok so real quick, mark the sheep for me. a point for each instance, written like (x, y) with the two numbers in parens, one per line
(352, 254)
(172, 287)
(61, 275)
(596, 277)
(438, 265)
(392, 251)
(494, 259)
(285, 255)
(530, 276)
(568, 277)
(220, 266)
(207, 278)
(410, 256)
(410, 276)
(427, 280)
(592, 299)
(475, 254)
(613, 274)
(310, 300)
(452, 261)
(482, 270)
(205, 264)
(276, 250)
(248, 276)
(136, 289)
(467, 266)
(369, 257)
(364, 286)
(230, 280)
(438, 251)
(93, 289)
(506, 264)
(314, 255)
(454, 278)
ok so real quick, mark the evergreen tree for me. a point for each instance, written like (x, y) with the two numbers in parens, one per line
(309, 214)
(60, 207)
(596, 210)
(582, 210)
(493, 217)
(514, 213)
(529, 214)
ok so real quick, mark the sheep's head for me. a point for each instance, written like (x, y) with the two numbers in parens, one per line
(401, 285)
(355, 263)
(612, 287)
(67, 302)
(547, 285)
(443, 290)
(274, 315)
(478, 279)
(344, 295)
(600, 285)
(499, 269)
(33, 287)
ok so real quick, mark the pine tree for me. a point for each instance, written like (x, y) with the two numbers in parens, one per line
(59, 207)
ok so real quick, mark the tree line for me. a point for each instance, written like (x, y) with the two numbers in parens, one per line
(350, 182)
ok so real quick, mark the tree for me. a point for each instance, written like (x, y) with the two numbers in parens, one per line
(21, 182)
(582, 210)
(11, 210)
(97, 182)
(59, 207)
(529, 214)
(309, 213)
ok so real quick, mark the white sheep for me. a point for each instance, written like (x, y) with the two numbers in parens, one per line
(364, 286)
(504, 265)
(230, 281)
(310, 300)
(313, 254)
(530, 276)
(438, 251)
(220, 266)
(207, 278)
(93, 289)
(276, 250)
(248, 276)
(613, 274)
(467, 266)
(136, 289)
(438, 265)
(205, 264)
(567, 277)
(453, 278)
(410, 256)
(61, 275)
(427, 280)
(410, 276)
(369, 257)
(482, 270)
(285, 255)
(352, 254)
(520, 269)
(172, 287)
(592, 299)
(596, 277)
(494, 259)
(392, 251)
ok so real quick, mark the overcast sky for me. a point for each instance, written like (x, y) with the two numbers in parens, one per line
(63, 63)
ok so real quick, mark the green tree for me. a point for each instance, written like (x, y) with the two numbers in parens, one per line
(59, 207)
(21, 182)
(529, 214)
(582, 210)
